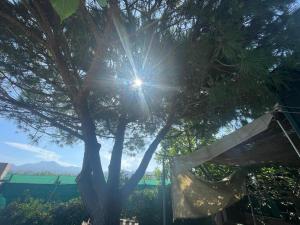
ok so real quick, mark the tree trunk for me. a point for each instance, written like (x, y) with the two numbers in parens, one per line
(102, 203)
(103, 199)
(113, 208)
(101, 213)
(107, 216)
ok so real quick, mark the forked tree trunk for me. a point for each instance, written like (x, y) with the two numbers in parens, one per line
(103, 199)
(102, 203)
(102, 212)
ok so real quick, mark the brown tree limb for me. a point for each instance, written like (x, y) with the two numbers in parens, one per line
(90, 22)
(116, 156)
(101, 44)
(52, 121)
(92, 172)
(139, 173)
(91, 166)
(68, 78)
(29, 33)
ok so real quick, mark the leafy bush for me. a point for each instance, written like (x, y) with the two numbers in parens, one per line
(69, 213)
(144, 204)
(37, 212)
(31, 212)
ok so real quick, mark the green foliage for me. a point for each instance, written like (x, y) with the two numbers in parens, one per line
(34, 211)
(157, 173)
(30, 212)
(274, 191)
(71, 213)
(272, 185)
(276, 182)
(65, 8)
(214, 172)
(144, 204)
(216, 59)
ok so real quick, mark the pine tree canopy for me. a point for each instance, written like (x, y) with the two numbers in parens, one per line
(131, 70)
(208, 59)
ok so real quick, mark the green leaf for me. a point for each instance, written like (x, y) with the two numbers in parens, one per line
(65, 8)
(102, 3)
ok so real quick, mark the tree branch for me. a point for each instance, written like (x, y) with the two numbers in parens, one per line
(91, 164)
(30, 108)
(139, 173)
(101, 44)
(116, 156)
(90, 21)
(68, 78)
(29, 33)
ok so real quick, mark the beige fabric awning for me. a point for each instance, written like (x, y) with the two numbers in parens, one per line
(194, 198)
(260, 141)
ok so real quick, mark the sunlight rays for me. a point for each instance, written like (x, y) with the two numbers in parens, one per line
(137, 82)
(125, 43)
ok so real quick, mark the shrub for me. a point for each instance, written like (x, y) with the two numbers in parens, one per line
(30, 212)
(69, 213)
(37, 212)
(144, 204)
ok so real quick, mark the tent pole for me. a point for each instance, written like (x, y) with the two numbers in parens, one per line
(164, 189)
(288, 137)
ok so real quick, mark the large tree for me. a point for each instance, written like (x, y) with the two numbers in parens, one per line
(129, 70)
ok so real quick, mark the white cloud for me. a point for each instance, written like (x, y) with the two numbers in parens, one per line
(131, 163)
(41, 153)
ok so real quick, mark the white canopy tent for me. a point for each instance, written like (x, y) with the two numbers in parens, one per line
(268, 139)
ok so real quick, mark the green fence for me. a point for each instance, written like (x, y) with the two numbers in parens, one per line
(47, 187)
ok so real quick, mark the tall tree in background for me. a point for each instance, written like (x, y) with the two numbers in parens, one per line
(129, 70)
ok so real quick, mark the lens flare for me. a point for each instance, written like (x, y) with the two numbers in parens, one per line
(137, 83)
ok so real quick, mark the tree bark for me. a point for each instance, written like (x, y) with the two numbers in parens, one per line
(105, 210)
(90, 187)
(113, 208)
(101, 213)
(101, 198)
(104, 199)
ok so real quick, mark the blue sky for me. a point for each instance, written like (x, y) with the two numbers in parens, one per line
(17, 148)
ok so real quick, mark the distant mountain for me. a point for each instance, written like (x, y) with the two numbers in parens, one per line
(45, 167)
(52, 167)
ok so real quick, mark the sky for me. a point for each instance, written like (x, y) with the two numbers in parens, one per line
(17, 148)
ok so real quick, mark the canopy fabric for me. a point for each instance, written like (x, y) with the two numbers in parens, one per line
(194, 198)
(207, 153)
(261, 141)
(269, 146)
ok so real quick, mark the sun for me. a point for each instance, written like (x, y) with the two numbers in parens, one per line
(137, 83)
